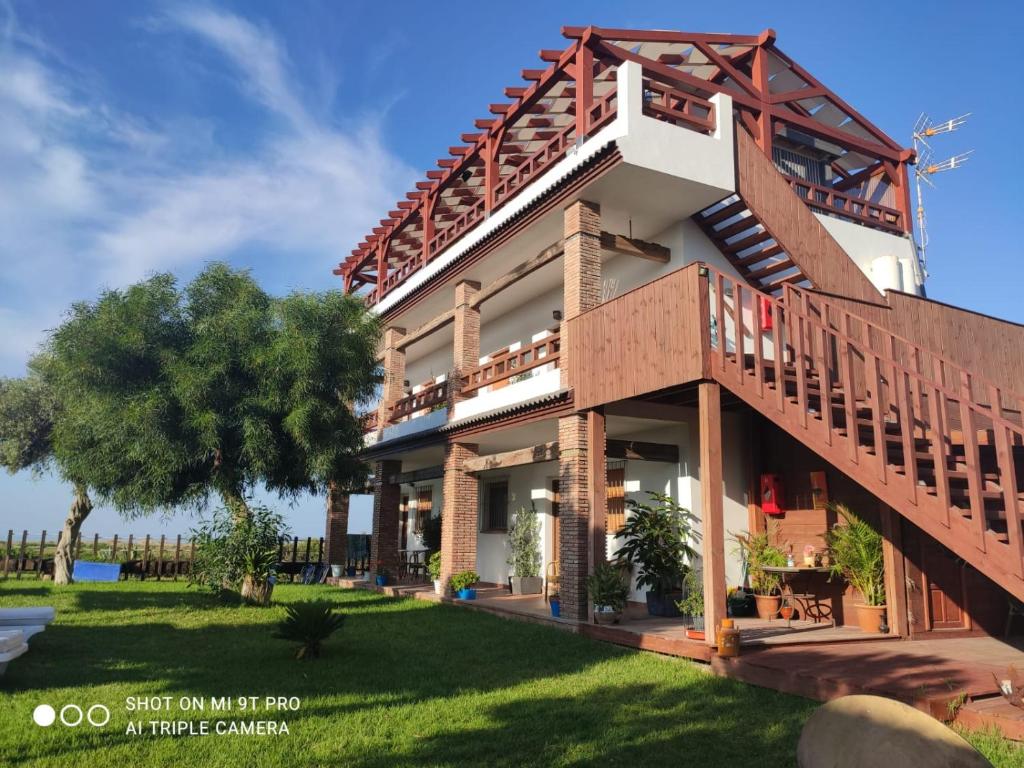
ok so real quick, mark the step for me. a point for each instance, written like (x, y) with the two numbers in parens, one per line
(723, 213)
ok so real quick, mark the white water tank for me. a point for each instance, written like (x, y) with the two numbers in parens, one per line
(886, 273)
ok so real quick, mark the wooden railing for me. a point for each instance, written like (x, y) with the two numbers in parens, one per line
(427, 398)
(678, 107)
(860, 210)
(514, 363)
(899, 419)
(369, 421)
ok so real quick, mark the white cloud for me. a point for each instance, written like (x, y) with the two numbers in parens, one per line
(93, 196)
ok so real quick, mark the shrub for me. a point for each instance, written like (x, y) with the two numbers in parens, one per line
(857, 555)
(464, 580)
(758, 552)
(692, 603)
(607, 586)
(238, 553)
(658, 539)
(524, 542)
(434, 566)
(309, 623)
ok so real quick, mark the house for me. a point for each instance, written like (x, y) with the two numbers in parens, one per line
(679, 263)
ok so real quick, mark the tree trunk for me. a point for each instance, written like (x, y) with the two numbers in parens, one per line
(256, 592)
(63, 560)
(236, 504)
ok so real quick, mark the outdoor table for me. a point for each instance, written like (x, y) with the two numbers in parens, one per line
(806, 600)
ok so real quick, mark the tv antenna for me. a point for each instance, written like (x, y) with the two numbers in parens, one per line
(924, 130)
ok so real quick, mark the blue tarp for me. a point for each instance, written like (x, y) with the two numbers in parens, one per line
(87, 571)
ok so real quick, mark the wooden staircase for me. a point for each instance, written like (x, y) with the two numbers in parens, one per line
(942, 447)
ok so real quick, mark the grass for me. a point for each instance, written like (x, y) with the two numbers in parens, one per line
(405, 683)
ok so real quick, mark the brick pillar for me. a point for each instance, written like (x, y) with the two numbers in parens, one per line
(459, 516)
(394, 374)
(386, 501)
(581, 267)
(467, 337)
(336, 535)
(574, 515)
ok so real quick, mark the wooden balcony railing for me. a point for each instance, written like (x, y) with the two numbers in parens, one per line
(678, 107)
(508, 364)
(369, 421)
(424, 400)
(860, 210)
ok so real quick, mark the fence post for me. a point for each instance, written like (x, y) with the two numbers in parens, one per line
(113, 550)
(177, 556)
(39, 560)
(191, 557)
(145, 558)
(8, 551)
(129, 553)
(320, 552)
(95, 546)
(160, 560)
(20, 563)
(295, 555)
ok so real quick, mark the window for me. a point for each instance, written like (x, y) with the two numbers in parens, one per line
(616, 480)
(424, 507)
(496, 506)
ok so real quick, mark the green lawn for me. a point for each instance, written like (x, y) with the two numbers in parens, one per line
(406, 683)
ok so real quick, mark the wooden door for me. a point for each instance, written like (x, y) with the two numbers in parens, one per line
(616, 491)
(944, 577)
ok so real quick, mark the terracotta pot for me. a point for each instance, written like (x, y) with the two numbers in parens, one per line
(695, 634)
(767, 606)
(786, 612)
(869, 617)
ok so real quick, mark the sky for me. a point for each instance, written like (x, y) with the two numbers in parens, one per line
(154, 136)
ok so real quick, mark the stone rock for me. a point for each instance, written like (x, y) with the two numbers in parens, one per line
(860, 731)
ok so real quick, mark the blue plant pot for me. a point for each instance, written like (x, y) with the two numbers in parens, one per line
(466, 594)
(381, 581)
(556, 608)
(350, 571)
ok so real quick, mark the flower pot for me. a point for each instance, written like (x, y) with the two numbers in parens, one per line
(605, 614)
(381, 581)
(808, 561)
(350, 571)
(869, 617)
(527, 585)
(438, 587)
(786, 612)
(466, 594)
(556, 608)
(336, 571)
(767, 606)
(695, 634)
(664, 605)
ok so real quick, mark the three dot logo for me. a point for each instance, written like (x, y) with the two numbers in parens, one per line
(71, 715)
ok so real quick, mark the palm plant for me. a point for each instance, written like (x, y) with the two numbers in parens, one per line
(758, 553)
(607, 587)
(857, 555)
(658, 540)
(309, 623)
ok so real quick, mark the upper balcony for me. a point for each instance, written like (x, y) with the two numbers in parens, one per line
(835, 159)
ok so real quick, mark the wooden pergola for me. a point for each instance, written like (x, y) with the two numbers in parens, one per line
(574, 95)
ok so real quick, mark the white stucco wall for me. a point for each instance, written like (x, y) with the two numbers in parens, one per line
(889, 261)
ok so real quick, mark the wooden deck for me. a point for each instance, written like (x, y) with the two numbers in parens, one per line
(952, 679)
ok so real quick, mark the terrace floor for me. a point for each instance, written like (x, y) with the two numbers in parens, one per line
(951, 678)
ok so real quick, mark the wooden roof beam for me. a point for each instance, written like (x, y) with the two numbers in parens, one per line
(632, 246)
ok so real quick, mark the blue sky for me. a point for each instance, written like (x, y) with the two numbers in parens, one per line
(145, 136)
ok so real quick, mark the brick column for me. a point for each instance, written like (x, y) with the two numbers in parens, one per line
(467, 337)
(581, 267)
(386, 501)
(459, 516)
(394, 374)
(336, 535)
(574, 515)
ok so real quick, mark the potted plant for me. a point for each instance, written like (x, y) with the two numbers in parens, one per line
(740, 602)
(434, 571)
(608, 592)
(758, 553)
(350, 571)
(462, 585)
(555, 603)
(692, 604)
(658, 541)
(381, 579)
(856, 550)
(336, 571)
(238, 554)
(524, 552)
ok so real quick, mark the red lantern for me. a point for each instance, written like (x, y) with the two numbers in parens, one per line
(772, 495)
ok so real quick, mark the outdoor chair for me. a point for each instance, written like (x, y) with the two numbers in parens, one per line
(551, 580)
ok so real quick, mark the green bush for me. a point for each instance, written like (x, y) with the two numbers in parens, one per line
(607, 586)
(658, 540)
(524, 542)
(309, 623)
(758, 552)
(857, 555)
(464, 580)
(238, 553)
(434, 566)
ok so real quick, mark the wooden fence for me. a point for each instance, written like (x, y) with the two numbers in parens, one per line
(166, 557)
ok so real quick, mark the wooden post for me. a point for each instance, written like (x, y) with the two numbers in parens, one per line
(42, 551)
(895, 572)
(95, 546)
(597, 487)
(145, 558)
(113, 550)
(160, 558)
(21, 554)
(7, 552)
(177, 556)
(129, 553)
(712, 507)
